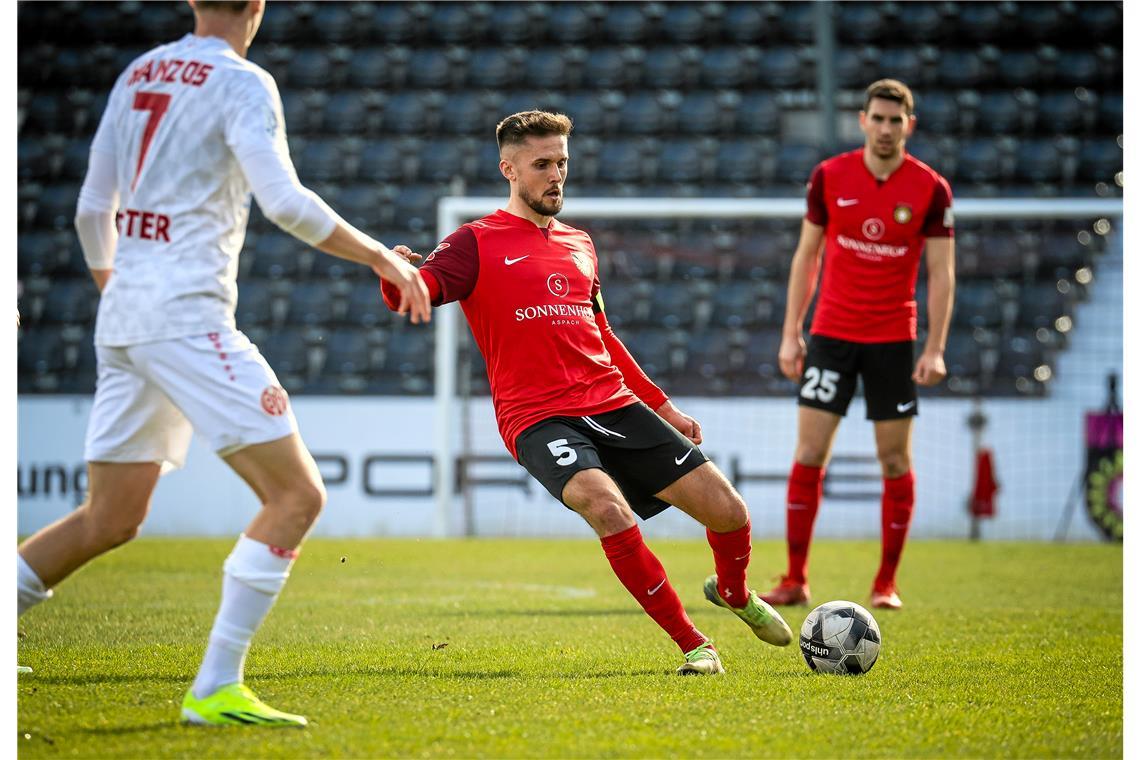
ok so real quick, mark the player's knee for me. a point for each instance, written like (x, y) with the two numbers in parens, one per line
(310, 499)
(105, 534)
(895, 464)
(607, 513)
(811, 454)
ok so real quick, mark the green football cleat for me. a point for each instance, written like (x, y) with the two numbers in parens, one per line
(235, 705)
(702, 661)
(764, 621)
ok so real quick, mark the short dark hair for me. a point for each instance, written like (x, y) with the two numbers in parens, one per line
(233, 6)
(514, 129)
(890, 89)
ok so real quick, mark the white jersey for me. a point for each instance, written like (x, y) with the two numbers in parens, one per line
(176, 121)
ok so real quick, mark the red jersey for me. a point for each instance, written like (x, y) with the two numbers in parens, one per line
(532, 298)
(875, 234)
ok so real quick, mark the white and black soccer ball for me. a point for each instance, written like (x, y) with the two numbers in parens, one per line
(840, 637)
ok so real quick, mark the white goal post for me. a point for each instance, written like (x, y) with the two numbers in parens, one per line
(453, 211)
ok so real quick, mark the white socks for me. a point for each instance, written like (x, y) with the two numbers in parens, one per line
(30, 589)
(254, 575)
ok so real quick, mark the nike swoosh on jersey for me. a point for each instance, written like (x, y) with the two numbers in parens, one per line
(657, 588)
(508, 261)
(898, 526)
(846, 201)
(681, 460)
(904, 407)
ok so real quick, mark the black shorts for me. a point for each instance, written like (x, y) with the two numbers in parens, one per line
(832, 367)
(640, 451)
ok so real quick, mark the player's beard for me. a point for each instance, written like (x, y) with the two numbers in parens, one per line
(887, 151)
(542, 206)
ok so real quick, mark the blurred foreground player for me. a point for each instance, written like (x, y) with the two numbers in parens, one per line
(572, 405)
(190, 128)
(876, 206)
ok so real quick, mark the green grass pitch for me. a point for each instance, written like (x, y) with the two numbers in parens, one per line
(1002, 650)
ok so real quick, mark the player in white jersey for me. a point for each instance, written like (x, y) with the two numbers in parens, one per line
(189, 130)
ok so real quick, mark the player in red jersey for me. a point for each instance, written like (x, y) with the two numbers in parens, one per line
(572, 405)
(877, 207)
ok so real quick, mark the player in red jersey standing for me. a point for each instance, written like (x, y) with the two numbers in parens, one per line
(572, 405)
(877, 206)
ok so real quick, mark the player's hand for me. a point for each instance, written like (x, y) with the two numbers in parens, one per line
(414, 299)
(792, 353)
(930, 368)
(685, 424)
(407, 254)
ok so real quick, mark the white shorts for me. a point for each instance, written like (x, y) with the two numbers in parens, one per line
(150, 398)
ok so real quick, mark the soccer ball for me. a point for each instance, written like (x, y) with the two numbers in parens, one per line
(840, 637)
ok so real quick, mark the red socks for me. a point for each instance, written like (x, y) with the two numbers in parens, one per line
(730, 555)
(805, 487)
(643, 576)
(898, 506)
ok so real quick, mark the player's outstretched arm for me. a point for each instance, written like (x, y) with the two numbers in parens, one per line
(411, 296)
(801, 287)
(930, 368)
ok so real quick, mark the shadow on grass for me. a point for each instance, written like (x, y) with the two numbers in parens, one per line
(142, 728)
(591, 612)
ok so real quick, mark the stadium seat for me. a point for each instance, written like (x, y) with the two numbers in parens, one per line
(981, 22)
(861, 22)
(415, 207)
(323, 161)
(778, 68)
(517, 23)
(71, 302)
(607, 69)
(492, 68)
(852, 70)
(795, 163)
(442, 161)
(409, 351)
(33, 160)
(734, 305)
(431, 69)
(702, 113)
(979, 161)
(623, 160)
(40, 350)
(1041, 304)
(1019, 359)
(671, 305)
(455, 23)
(681, 161)
(937, 113)
(55, 207)
(797, 23)
(395, 23)
(1062, 113)
(921, 22)
(349, 352)
(587, 111)
(963, 356)
(977, 304)
(554, 66)
(310, 68)
(277, 256)
(310, 303)
(1019, 68)
(1041, 22)
(629, 23)
(745, 23)
(1038, 161)
(254, 304)
(1100, 21)
(997, 113)
(689, 22)
(758, 113)
(366, 305)
(279, 24)
(408, 113)
(304, 111)
(74, 159)
(1111, 116)
(570, 22)
(1078, 68)
(959, 69)
(337, 23)
(761, 353)
(44, 115)
(668, 67)
(370, 67)
(652, 348)
(905, 64)
(39, 254)
(288, 354)
(383, 160)
(740, 161)
(1100, 159)
(710, 354)
(641, 113)
(729, 67)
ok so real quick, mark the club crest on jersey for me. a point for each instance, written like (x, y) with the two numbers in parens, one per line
(274, 400)
(558, 284)
(436, 250)
(873, 228)
(582, 261)
(903, 213)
